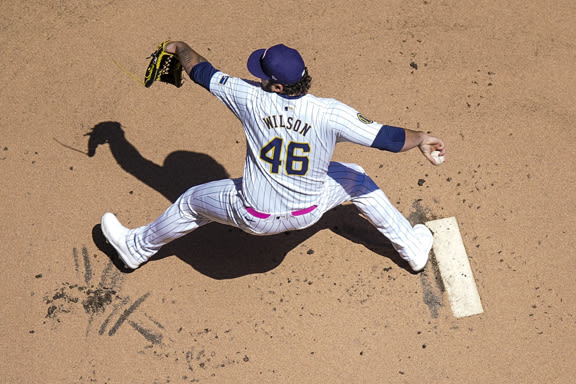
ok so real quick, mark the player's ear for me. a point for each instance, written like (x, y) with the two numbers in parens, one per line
(278, 88)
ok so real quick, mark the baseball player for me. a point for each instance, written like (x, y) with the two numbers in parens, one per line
(289, 181)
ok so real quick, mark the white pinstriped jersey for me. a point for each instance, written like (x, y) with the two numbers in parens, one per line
(290, 141)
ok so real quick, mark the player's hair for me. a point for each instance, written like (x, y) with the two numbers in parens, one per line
(301, 87)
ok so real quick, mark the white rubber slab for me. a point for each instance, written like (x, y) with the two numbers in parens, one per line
(455, 268)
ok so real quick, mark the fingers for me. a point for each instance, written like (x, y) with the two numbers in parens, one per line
(170, 47)
(440, 148)
(433, 149)
(431, 144)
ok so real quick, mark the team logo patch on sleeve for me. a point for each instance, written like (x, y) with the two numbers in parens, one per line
(224, 80)
(364, 119)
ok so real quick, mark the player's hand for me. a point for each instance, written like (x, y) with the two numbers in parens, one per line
(431, 144)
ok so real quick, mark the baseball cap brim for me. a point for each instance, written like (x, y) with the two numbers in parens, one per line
(254, 64)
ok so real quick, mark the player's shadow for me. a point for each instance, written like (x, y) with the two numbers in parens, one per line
(216, 250)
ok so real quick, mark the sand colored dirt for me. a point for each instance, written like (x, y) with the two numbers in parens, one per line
(333, 303)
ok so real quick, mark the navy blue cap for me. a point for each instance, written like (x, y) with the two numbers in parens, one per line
(279, 63)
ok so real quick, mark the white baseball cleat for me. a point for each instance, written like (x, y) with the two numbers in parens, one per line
(116, 235)
(426, 240)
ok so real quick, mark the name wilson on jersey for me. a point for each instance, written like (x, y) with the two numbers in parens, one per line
(281, 121)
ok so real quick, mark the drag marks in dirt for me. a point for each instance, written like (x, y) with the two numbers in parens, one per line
(147, 333)
(430, 278)
(99, 300)
(96, 296)
(87, 264)
(432, 288)
(190, 354)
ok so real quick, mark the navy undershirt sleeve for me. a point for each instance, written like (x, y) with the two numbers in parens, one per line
(201, 74)
(390, 138)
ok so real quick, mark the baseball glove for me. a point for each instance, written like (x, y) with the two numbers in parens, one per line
(164, 67)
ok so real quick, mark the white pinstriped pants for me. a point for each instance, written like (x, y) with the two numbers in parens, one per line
(221, 201)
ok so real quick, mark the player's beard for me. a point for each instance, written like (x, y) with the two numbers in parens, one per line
(266, 85)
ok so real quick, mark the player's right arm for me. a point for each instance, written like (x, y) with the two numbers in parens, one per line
(426, 143)
(356, 128)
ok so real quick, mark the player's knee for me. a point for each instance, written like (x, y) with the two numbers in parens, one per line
(357, 169)
(348, 168)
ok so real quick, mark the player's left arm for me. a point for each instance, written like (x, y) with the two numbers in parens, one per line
(187, 56)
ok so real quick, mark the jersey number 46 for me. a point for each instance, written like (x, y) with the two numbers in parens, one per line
(293, 158)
